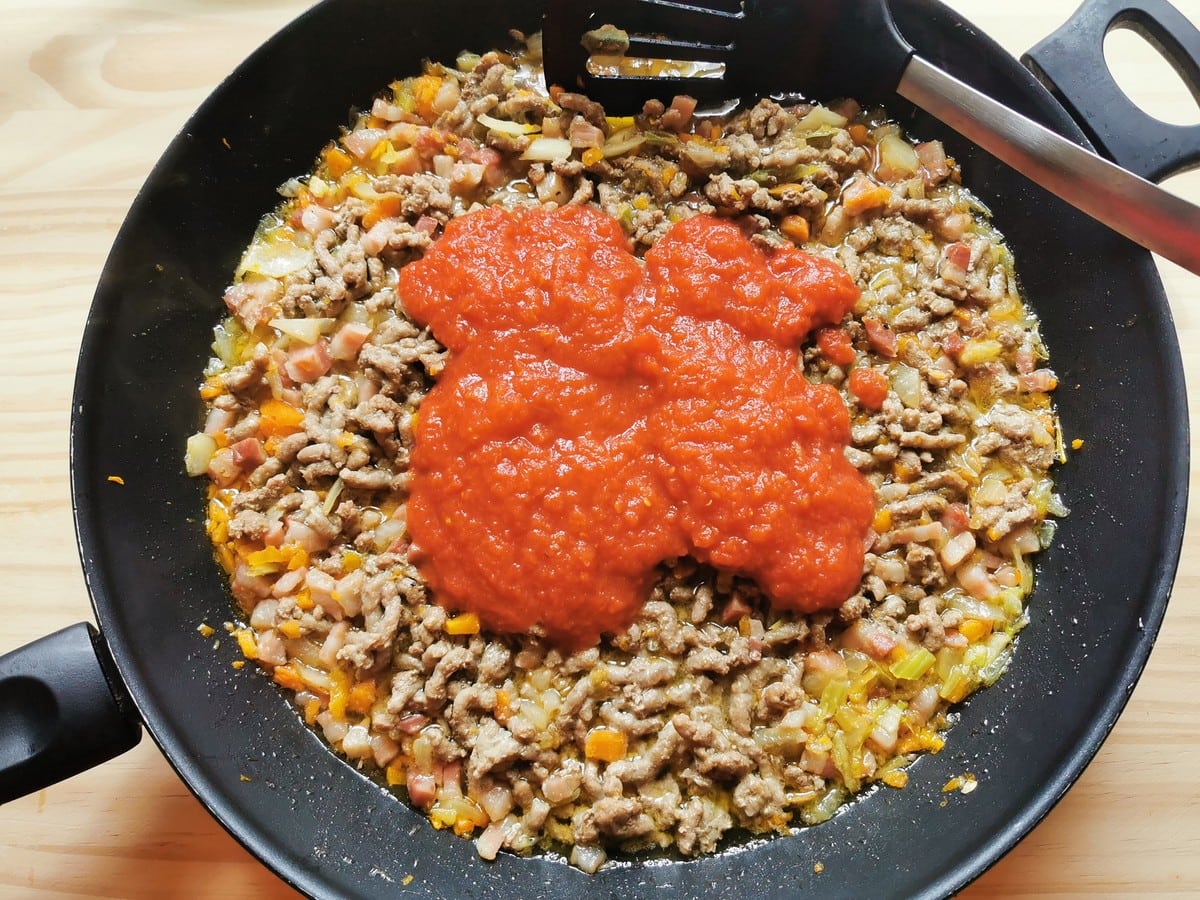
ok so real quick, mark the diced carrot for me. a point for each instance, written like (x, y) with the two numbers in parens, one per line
(605, 744)
(247, 643)
(312, 709)
(396, 774)
(896, 778)
(213, 387)
(385, 207)
(425, 89)
(862, 195)
(974, 629)
(921, 739)
(339, 693)
(905, 471)
(290, 629)
(503, 706)
(869, 386)
(337, 161)
(466, 623)
(279, 419)
(592, 155)
(858, 133)
(836, 346)
(883, 521)
(796, 228)
(362, 696)
(288, 677)
(268, 559)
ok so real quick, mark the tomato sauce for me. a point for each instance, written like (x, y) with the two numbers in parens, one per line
(598, 416)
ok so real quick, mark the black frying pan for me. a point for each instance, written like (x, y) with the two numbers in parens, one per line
(76, 698)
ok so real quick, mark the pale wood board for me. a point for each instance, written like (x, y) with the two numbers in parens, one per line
(90, 95)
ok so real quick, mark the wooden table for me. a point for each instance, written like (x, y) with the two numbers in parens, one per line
(91, 92)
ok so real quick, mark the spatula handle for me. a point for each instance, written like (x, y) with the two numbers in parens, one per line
(1127, 203)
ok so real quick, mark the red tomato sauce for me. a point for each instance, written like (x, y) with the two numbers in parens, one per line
(598, 416)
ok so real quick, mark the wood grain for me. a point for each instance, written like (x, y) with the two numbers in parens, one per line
(91, 92)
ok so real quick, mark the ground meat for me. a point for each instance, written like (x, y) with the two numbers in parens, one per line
(757, 797)
(617, 817)
(495, 747)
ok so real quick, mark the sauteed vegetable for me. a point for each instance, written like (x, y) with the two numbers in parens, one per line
(717, 710)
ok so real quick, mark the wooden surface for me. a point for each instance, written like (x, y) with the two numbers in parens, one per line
(91, 92)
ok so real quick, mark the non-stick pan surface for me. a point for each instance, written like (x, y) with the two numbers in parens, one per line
(1101, 589)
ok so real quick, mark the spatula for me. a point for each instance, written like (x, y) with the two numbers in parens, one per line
(848, 48)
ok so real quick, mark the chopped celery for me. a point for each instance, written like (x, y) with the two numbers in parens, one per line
(822, 809)
(913, 666)
(995, 668)
(958, 683)
(844, 760)
(833, 696)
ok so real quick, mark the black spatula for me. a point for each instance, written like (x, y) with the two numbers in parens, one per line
(826, 49)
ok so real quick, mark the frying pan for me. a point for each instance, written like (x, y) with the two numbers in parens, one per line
(1099, 600)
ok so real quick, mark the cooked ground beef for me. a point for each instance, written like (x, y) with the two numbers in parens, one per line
(712, 712)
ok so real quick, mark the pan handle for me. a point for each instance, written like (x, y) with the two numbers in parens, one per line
(60, 711)
(1070, 63)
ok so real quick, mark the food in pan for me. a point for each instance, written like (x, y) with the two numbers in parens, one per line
(618, 483)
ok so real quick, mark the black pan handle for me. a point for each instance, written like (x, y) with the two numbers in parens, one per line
(1070, 63)
(60, 711)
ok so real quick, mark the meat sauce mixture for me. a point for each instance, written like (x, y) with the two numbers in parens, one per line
(614, 484)
(597, 417)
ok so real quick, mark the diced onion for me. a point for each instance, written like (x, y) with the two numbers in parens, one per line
(227, 337)
(274, 258)
(588, 859)
(898, 156)
(1056, 507)
(818, 118)
(357, 742)
(389, 532)
(975, 609)
(466, 62)
(489, 843)
(546, 149)
(200, 450)
(306, 331)
(957, 549)
(824, 808)
(332, 497)
(503, 126)
(906, 382)
(621, 142)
